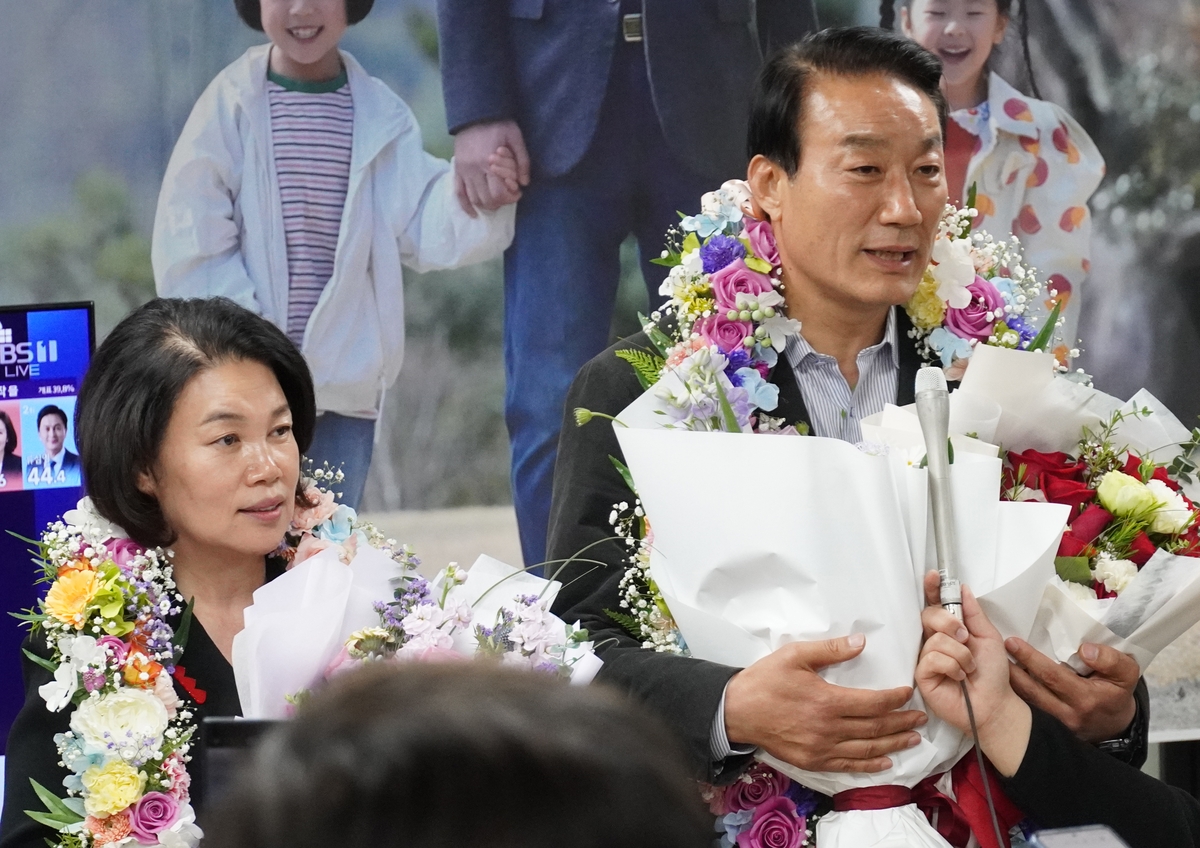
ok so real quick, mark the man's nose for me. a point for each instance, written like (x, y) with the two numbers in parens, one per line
(900, 207)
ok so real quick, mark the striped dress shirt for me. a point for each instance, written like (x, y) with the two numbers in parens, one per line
(835, 410)
(311, 133)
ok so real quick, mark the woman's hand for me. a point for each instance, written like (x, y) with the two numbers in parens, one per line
(973, 651)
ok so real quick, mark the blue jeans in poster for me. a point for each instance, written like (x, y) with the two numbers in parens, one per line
(561, 273)
(347, 442)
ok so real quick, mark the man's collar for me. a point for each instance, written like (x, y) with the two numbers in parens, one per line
(798, 349)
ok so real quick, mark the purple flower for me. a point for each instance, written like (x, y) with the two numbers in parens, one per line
(1022, 328)
(775, 825)
(758, 784)
(805, 799)
(155, 812)
(719, 251)
(976, 319)
(93, 680)
(734, 279)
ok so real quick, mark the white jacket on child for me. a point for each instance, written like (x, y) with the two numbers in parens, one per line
(219, 227)
(1035, 169)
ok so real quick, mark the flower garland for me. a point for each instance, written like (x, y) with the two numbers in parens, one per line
(113, 653)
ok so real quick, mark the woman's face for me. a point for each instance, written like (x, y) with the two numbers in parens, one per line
(961, 32)
(227, 471)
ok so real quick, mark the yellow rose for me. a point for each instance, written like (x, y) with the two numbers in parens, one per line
(1125, 496)
(925, 308)
(111, 788)
(70, 595)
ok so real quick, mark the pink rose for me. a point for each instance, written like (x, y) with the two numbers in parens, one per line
(181, 781)
(306, 518)
(758, 784)
(341, 663)
(762, 240)
(309, 546)
(775, 825)
(123, 551)
(975, 321)
(725, 334)
(117, 650)
(155, 812)
(734, 279)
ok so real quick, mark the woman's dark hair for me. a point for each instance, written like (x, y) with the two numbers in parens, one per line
(777, 106)
(10, 435)
(887, 20)
(135, 379)
(250, 11)
(427, 755)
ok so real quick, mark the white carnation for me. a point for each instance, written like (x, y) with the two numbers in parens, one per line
(1172, 515)
(1078, 591)
(1115, 574)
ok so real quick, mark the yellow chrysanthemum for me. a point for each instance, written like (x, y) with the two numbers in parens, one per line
(925, 308)
(70, 595)
(111, 788)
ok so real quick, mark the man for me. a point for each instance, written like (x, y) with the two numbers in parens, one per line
(846, 139)
(56, 465)
(620, 112)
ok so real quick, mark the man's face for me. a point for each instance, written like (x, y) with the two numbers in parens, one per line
(52, 431)
(855, 225)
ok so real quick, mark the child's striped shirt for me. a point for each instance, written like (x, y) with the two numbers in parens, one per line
(311, 134)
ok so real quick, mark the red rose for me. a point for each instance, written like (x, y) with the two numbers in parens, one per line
(1039, 466)
(1141, 549)
(1101, 590)
(1133, 467)
(1091, 523)
(1071, 546)
(1070, 492)
(1160, 473)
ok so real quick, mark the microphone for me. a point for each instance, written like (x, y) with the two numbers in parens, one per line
(933, 411)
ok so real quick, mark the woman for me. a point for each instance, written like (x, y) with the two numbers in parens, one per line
(191, 423)
(1055, 779)
(10, 460)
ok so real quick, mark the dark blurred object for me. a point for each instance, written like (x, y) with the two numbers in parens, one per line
(1179, 765)
(224, 748)
(463, 754)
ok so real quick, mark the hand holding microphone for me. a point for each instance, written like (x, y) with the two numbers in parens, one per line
(933, 411)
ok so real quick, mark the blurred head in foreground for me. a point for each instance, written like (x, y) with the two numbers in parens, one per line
(466, 755)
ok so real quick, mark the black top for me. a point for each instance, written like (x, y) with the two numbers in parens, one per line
(1063, 782)
(684, 691)
(31, 751)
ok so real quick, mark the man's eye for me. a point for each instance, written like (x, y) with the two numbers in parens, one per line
(930, 170)
(865, 169)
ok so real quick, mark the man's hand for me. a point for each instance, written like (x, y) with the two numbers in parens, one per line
(1094, 708)
(474, 182)
(781, 705)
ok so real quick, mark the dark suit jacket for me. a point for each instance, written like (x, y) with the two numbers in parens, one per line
(683, 691)
(70, 461)
(31, 752)
(545, 63)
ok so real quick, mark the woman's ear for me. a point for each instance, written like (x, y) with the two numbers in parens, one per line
(905, 21)
(766, 180)
(146, 484)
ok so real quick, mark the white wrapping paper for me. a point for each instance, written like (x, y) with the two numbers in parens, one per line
(299, 622)
(1041, 412)
(767, 540)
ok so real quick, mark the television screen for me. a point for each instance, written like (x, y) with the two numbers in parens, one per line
(44, 353)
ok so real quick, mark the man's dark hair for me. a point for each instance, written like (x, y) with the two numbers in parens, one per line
(51, 409)
(250, 11)
(10, 435)
(136, 377)
(426, 755)
(777, 106)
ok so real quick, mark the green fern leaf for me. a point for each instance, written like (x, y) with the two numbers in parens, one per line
(628, 622)
(646, 365)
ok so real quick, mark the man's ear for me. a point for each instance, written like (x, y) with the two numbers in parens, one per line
(767, 181)
(905, 22)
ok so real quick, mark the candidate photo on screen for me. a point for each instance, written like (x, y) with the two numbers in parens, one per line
(51, 459)
(10, 448)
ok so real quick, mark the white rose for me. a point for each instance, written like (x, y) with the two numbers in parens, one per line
(1115, 574)
(164, 690)
(132, 719)
(1173, 515)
